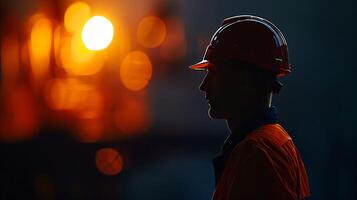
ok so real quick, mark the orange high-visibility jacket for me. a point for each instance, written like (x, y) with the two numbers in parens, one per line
(265, 165)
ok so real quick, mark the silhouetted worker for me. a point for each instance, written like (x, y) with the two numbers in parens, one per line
(259, 160)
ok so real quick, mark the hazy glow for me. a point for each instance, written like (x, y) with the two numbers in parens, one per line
(132, 115)
(135, 70)
(92, 106)
(151, 32)
(57, 39)
(40, 46)
(77, 60)
(66, 94)
(10, 58)
(79, 52)
(89, 130)
(109, 161)
(76, 15)
(175, 45)
(22, 122)
(97, 33)
(89, 113)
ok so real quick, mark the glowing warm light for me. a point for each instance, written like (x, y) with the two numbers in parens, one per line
(120, 47)
(97, 33)
(151, 32)
(135, 70)
(24, 54)
(78, 60)
(57, 38)
(40, 46)
(76, 15)
(132, 115)
(109, 161)
(10, 58)
(21, 122)
(89, 130)
(66, 94)
(93, 105)
(90, 116)
(79, 52)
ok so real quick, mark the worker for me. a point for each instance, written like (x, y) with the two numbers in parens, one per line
(259, 160)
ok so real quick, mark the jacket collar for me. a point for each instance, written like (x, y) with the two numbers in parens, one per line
(267, 116)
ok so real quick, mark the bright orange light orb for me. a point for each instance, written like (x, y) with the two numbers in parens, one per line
(109, 161)
(40, 46)
(66, 94)
(135, 70)
(151, 32)
(97, 33)
(77, 60)
(76, 15)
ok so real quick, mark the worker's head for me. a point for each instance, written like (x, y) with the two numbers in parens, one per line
(243, 60)
(233, 88)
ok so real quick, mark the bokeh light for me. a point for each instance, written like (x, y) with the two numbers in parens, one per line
(77, 60)
(79, 52)
(109, 161)
(40, 46)
(89, 112)
(76, 15)
(92, 106)
(97, 33)
(66, 94)
(151, 31)
(136, 70)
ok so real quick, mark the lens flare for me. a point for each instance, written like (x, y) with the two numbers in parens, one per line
(97, 33)
(151, 32)
(109, 161)
(79, 52)
(136, 70)
(76, 15)
(77, 60)
(66, 94)
(40, 47)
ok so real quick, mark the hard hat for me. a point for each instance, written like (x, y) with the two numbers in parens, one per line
(249, 39)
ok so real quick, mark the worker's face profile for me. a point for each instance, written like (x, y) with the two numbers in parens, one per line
(222, 90)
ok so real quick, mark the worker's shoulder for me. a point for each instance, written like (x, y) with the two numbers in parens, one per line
(270, 137)
(272, 134)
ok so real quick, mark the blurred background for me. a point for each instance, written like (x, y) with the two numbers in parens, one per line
(97, 101)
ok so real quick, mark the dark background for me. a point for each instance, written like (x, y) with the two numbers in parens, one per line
(173, 160)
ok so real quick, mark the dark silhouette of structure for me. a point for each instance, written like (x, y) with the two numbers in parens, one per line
(259, 159)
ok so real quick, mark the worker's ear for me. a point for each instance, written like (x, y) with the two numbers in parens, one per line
(246, 80)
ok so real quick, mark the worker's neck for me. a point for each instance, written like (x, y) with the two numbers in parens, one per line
(243, 117)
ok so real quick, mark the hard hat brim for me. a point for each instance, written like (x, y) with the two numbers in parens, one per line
(203, 65)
